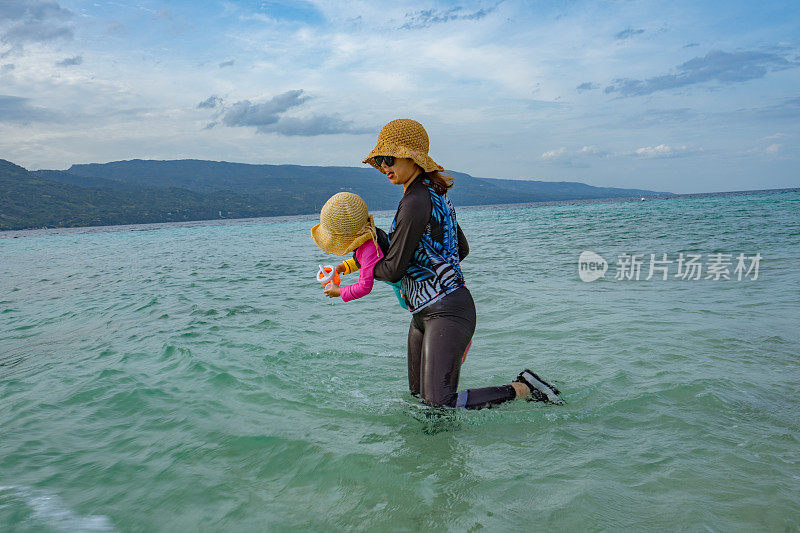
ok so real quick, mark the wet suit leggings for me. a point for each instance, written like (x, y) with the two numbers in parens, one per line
(437, 338)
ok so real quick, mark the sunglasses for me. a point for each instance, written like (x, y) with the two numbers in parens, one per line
(381, 159)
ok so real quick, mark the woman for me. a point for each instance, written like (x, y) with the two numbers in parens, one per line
(425, 250)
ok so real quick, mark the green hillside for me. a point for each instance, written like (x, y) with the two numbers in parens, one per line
(30, 201)
(138, 191)
(319, 183)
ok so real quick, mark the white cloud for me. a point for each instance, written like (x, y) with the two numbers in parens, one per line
(70, 61)
(654, 151)
(574, 158)
(659, 151)
(582, 156)
(33, 21)
(554, 155)
(770, 150)
(716, 66)
(490, 86)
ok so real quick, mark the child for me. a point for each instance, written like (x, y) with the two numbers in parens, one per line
(346, 225)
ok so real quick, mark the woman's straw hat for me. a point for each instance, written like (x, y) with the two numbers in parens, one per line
(345, 224)
(404, 138)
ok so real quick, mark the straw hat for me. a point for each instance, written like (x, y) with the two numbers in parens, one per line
(345, 224)
(404, 138)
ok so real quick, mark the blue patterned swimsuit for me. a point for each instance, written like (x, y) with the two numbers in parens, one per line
(425, 250)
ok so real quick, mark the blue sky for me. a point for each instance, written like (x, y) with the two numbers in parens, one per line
(670, 96)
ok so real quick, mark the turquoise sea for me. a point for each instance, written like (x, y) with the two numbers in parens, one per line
(194, 377)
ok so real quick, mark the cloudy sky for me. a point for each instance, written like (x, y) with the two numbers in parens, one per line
(672, 96)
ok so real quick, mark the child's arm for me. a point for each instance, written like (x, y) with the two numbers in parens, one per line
(367, 256)
(348, 266)
(332, 290)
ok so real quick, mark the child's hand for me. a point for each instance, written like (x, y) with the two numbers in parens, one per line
(331, 290)
(341, 268)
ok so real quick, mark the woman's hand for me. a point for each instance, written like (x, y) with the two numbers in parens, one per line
(331, 290)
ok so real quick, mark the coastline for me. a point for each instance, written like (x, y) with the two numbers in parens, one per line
(38, 232)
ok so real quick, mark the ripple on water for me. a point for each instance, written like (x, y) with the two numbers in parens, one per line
(44, 509)
(165, 390)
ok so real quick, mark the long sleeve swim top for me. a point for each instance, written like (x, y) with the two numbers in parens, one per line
(426, 245)
(366, 257)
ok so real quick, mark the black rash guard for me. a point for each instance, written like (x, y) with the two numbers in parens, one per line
(411, 221)
(441, 330)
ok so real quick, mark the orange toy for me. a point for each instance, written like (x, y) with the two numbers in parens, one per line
(327, 274)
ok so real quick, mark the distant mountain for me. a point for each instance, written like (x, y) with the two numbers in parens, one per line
(321, 182)
(65, 176)
(145, 191)
(295, 189)
(28, 200)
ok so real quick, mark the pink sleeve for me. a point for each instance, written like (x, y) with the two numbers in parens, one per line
(366, 258)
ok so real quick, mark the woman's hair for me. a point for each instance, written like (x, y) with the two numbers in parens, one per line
(440, 181)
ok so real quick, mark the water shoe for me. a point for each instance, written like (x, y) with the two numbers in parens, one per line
(541, 391)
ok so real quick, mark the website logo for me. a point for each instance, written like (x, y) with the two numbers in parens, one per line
(591, 266)
(688, 267)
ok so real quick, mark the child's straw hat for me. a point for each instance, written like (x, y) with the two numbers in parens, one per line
(404, 138)
(345, 224)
